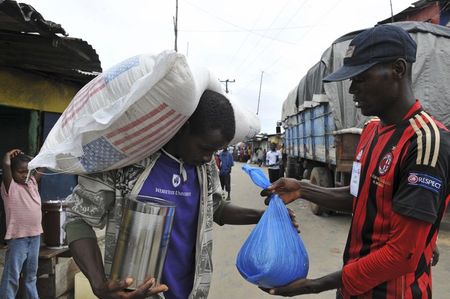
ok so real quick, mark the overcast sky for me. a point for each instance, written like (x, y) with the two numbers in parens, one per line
(236, 39)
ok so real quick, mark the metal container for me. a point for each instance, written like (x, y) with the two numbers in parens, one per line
(53, 218)
(143, 239)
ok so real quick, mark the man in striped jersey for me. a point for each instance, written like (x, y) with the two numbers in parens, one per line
(399, 188)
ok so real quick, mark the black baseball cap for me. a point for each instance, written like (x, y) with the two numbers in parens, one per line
(381, 43)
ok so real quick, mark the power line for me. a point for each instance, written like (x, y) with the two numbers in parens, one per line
(246, 37)
(281, 56)
(312, 27)
(252, 30)
(286, 24)
(234, 25)
(259, 40)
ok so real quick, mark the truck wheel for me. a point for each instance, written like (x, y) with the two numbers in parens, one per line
(322, 177)
(291, 167)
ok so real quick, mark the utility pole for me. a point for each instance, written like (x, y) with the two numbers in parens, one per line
(259, 95)
(392, 13)
(226, 83)
(175, 25)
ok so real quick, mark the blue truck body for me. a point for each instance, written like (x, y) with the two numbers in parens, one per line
(311, 134)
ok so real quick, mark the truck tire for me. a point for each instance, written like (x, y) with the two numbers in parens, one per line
(320, 176)
(291, 167)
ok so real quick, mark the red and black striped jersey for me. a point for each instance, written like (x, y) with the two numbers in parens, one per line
(402, 195)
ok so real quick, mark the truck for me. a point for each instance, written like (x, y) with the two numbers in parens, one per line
(321, 123)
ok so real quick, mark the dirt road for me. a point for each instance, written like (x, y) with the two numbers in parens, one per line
(324, 238)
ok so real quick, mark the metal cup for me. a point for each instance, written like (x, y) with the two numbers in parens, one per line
(143, 239)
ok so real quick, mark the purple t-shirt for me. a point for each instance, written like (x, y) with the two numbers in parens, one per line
(166, 182)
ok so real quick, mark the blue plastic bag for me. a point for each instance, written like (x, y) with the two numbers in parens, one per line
(274, 254)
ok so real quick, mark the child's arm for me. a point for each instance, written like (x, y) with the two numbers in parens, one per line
(7, 173)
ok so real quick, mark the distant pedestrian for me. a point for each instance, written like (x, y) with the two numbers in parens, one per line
(273, 158)
(23, 221)
(226, 163)
(260, 156)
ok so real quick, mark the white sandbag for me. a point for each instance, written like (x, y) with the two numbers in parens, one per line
(129, 112)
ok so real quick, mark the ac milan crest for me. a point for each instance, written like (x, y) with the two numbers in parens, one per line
(385, 164)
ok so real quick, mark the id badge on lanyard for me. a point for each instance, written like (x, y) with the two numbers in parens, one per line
(356, 174)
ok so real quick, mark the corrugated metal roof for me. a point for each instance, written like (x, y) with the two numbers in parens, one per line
(29, 42)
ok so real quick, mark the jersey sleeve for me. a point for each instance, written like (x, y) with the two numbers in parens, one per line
(400, 255)
(423, 178)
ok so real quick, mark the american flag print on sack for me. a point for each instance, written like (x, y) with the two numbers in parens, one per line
(96, 85)
(134, 139)
(99, 154)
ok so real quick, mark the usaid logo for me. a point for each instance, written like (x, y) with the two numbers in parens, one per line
(176, 180)
(424, 181)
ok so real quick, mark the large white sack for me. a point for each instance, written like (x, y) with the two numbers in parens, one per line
(129, 112)
(247, 123)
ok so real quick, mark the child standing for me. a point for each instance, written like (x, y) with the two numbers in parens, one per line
(23, 221)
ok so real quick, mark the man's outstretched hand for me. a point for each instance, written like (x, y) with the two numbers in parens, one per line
(298, 287)
(288, 189)
(308, 286)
